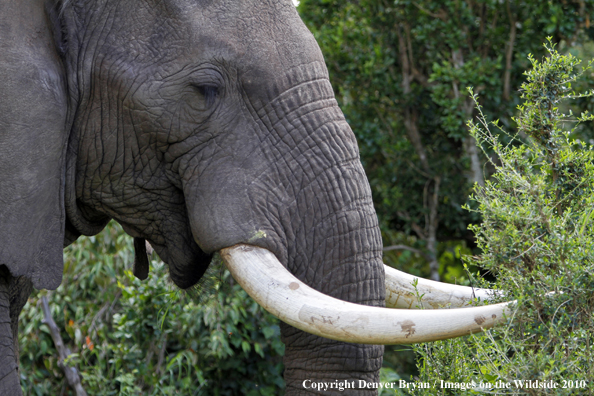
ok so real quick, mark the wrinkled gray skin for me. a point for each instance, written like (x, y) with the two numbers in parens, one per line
(196, 124)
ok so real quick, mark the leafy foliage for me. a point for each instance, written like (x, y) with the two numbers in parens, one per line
(399, 69)
(537, 236)
(132, 337)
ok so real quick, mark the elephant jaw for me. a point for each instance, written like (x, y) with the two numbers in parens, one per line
(267, 281)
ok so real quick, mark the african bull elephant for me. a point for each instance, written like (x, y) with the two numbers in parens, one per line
(200, 126)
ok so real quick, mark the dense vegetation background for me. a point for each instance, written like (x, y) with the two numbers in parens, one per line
(400, 71)
(131, 337)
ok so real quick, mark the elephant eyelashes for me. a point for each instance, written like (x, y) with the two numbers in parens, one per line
(209, 94)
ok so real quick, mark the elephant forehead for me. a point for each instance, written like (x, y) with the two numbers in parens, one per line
(259, 36)
(258, 41)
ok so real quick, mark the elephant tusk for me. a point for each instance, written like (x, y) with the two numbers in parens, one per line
(265, 279)
(400, 292)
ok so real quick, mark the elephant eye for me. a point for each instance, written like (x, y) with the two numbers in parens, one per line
(209, 93)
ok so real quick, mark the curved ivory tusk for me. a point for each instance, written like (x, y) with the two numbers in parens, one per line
(264, 278)
(400, 293)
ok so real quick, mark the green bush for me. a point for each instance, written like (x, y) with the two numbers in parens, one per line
(131, 337)
(537, 237)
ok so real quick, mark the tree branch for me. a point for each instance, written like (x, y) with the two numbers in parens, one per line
(107, 307)
(405, 247)
(71, 373)
(410, 114)
(469, 143)
(432, 229)
(442, 14)
(161, 355)
(509, 51)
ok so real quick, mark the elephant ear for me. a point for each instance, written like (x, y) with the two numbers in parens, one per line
(33, 140)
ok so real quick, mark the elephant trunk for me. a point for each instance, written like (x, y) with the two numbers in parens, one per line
(341, 258)
(298, 189)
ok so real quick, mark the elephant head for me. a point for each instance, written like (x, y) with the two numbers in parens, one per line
(200, 125)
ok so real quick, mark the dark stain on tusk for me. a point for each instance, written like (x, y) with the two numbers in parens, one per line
(408, 327)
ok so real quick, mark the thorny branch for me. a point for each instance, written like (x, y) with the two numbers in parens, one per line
(70, 372)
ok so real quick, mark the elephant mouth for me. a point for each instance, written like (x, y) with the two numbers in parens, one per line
(267, 281)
